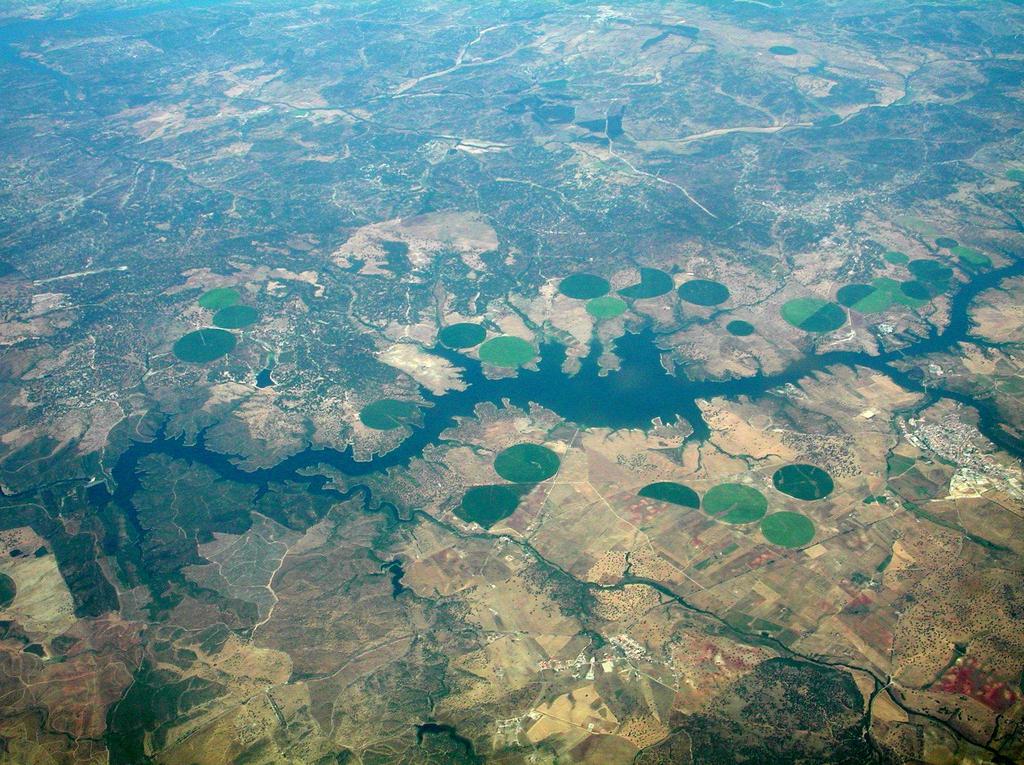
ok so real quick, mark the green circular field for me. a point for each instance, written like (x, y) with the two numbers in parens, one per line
(8, 589)
(486, 505)
(584, 286)
(971, 257)
(863, 298)
(783, 50)
(671, 492)
(803, 481)
(739, 328)
(703, 292)
(507, 351)
(204, 345)
(787, 529)
(735, 503)
(236, 316)
(918, 290)
(930, 270)
(526, 463)
(389, 413)
(813, 314)
(850, 294)
(606, 307)
(462, 335)
(896, 258)
(946, 242)
(653, 283)
(219, 297)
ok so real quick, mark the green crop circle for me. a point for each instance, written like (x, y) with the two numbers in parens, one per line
(787, 529)
(507, 351)
(735, 503)
(462, 335)
(389, 414)
(236, 316)
(806, 482)
(584, 286)
(204, 345)
(526, 463)
(703, 292)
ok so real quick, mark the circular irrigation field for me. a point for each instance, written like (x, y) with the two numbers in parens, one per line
(219, 297)
(606, 307)
(8, 589)
(204, 345)
(735, 503)
(526, 463)
(653, 283)
(236, 316)
(864, 298)
(805, 482)
(671, 492)
(389, 413)
(507, 351)
(813, 314)
(584, 286)
(739, 328)
(486, 505)
(462, 335)
(787, 529)
(703, 292)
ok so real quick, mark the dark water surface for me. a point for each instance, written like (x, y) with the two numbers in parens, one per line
(629, 398)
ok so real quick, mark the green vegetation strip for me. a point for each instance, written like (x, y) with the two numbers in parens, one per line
(236, 316)
(739, 328)
(462, 335)
(606, 307)
(220, 297)
(526, 463)
(584, 286)
(653, 283)
(946, 242)
(813, 314)
(703, 292)
(805, 482)
(787, 529)
(672, 492)
(486, 505)
(204, 345)
(507, 352)
(735, 503)
(783, 50)
(896, 258)
(389, 413)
